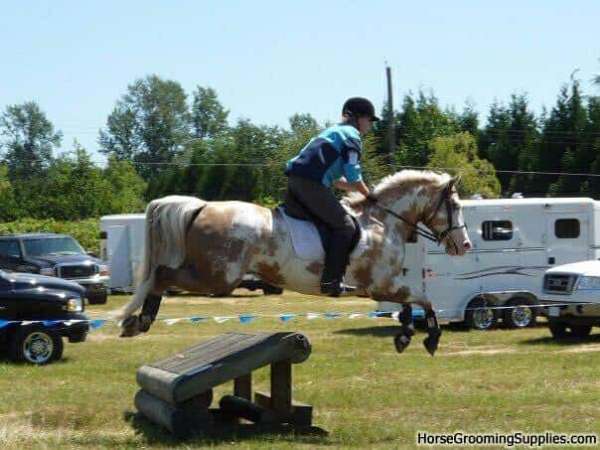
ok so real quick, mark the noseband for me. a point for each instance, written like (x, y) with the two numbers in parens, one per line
(427, 234)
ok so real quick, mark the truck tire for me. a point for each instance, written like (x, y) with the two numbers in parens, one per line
(480, 319)
(35, 345)
(98, 299)
(521, 315)
(558, 329)
(580, 331)
(272, 290)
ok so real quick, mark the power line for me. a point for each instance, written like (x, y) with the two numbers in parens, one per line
(401, 167)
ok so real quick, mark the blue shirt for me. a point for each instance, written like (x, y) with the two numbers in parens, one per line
(329, 156)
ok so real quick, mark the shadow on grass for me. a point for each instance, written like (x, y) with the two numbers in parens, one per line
(191, 294)
(155, 434)
(393, 330)
(566, 342)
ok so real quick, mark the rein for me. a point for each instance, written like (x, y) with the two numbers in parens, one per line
(432, 236)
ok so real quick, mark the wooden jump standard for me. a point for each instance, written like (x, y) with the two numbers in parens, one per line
(177, 392)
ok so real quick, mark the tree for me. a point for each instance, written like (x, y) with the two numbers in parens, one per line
(563, 144)
(592, 134)
(8, 206)
(209, 118)
(460, 150)
(149, 124)
(420, 121)
(74, 188)
(124, 186)
(509, 141)
(28, 140)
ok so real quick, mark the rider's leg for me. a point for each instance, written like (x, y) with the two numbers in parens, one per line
(336, 256)
(322, 204)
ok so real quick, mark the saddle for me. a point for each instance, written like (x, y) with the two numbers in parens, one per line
(310, 236)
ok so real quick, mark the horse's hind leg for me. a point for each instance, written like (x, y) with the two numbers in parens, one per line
(134, 325)
(402, 340)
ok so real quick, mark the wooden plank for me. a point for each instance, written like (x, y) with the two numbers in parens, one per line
(242, 386)
(241, 407)
(300, 415)
(281, 386)
(217, 361)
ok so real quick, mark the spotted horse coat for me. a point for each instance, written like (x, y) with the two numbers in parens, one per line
(207, 247)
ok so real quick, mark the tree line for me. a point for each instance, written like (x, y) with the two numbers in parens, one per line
(159, 140)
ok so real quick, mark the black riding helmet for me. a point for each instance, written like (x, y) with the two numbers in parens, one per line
(359, 107)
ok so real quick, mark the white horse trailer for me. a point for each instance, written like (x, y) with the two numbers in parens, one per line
(122, 245)
(514, 242)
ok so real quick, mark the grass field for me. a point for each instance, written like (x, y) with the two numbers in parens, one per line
(364, 394)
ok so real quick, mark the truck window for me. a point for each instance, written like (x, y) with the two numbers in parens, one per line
(566, 228)
(9, 249)
(497, 230)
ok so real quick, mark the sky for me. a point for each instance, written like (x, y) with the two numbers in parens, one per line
(270, 59)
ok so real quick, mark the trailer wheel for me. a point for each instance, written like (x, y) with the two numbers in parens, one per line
(479, 315)
(522, 315)
(36, 345)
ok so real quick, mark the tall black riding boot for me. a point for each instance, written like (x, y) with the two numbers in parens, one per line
(336, 259)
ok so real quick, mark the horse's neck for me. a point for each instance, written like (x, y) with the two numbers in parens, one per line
(410, 206)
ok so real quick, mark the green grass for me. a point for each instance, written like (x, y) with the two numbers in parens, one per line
(364, 394)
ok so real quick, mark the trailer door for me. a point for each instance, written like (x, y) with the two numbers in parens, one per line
(118, 257)
(567, 238)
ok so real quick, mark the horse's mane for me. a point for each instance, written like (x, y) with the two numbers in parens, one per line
(395, 185)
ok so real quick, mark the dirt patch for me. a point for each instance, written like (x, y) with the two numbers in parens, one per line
(582, 349)
(481, 351)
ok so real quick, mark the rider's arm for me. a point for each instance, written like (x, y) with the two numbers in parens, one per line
(360, 186)
(352, 179)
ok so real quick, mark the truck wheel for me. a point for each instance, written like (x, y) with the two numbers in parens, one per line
(99, 299)
(36, 345)
(558, 329)
(479, 315)
(272, 290)
(521, 315)
(580, 331)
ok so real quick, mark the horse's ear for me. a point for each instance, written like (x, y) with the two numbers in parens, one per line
(453, 182)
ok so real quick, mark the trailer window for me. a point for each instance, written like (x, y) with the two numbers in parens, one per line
(497, 230)
(566, 228)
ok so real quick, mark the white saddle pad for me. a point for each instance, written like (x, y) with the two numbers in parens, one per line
(306, 239)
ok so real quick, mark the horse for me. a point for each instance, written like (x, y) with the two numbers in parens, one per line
(206, 247)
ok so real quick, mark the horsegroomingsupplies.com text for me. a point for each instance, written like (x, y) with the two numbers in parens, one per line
(508, 440)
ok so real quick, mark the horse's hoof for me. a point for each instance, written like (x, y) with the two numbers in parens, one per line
(401, 341)
(130, 327)
(431, 344)
(144, 323)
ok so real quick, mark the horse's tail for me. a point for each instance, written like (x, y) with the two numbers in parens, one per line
(167, 222)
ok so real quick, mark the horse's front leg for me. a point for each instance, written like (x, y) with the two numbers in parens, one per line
(402, 340)
(434, 331)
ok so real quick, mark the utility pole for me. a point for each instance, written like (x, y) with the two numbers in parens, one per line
(391, 131)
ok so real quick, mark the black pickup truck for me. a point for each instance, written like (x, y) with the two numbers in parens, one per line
(56, 255)
(36, 312)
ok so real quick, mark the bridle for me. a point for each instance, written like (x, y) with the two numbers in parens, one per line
(427, 234)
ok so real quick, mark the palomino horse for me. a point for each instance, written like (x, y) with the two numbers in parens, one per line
(207, 247)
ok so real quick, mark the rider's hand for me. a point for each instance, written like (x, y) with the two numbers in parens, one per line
(371, 198)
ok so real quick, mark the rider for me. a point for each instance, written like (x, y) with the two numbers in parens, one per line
(332, 158)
